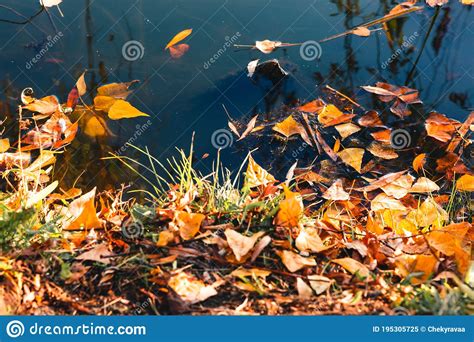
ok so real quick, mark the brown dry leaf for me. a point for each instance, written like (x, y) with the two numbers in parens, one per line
(373, 225)
(347, 129)
(250, 272)
(294, 262)
(188, 224)
(309, 240)
(45, 105)
(399, 187)
(353, 266)
(81, 85)
(178, 51)
(312, 107)
(123, 110)
(383, 151)
(304, 290)
(190, 289)
(383, 201)
(82, 212)
(116, 90)
(4, 145)
(290, 209)
(419, 162)
(179, 37)
(440, 127)
(267, 46)
(465, 183)
(250, 127)
(100, 253)
(336, 192)
(361, 31)
(352, 157)
(240, 244)
(371, 119)
(410, 264)
(423, 185)
(259, 247)
(257, 175)
(319, 283)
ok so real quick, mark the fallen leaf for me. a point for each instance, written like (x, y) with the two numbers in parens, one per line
(294, 262)
(309, 240)
(81, 84)
(353, 266)
(336, 192)
(419, 162)
(100, 253)
(465, 183)
(423, 185)
(290, 127)
(383, 151)
(256, 175)
(4, 145)
(319, 283)
(352, 157)
(361, 31)
(251, 67)
(178, 51)
(290, 210)
(116, 90)
(312, 107)
(412, 264)
(240, 244)
(399, 187)
(371, 119)
(304, 290)
(190, 289)
(45, 105)
(188, 224)
(250, 127)
(123, 110)
(383, 201)
(267, 46)
(440, 127)
(82, 213)
(179, 37)
(347, 129)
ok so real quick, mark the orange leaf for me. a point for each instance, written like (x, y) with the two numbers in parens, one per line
(352, 157)
(179, 37)
(178, 51)
(83, 213)
(290, 211)
(419, 162)
(123, 110)
(353, 266)
(409, 264)
(312, 107)
(465, 183)
(188, 224)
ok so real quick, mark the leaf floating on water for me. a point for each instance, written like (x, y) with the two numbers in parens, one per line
(312, 107)
(352, 157)
(440, 127)
(81, 84)
(123, 110)
(290, 127)
(361, 31)
(116, 90)
(177, 51)
(347, 129)
(434, 3)
(251, 67)
(179, 37)
(250, 127)
(45, 105)
(267, 46)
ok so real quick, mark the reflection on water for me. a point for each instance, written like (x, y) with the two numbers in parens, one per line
(185, 95)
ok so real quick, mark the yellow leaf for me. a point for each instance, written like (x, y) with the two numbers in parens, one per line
(94, 128)
(399, 187)
(329, 113)
(123, 110)
(465, 183)
(419, 162)
(352, 157)
(288, 127)
(188, 224)
(4, 145)
(353, 266)
(240, 244)
(179, 37)
(165, 238)
(34, 198)
(429, 213)
(294, 262)
(347, 129)
(290, 211)
(383, 201)
(256, 175)
(103, 102)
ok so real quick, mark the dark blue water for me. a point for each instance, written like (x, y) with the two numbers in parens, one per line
(186, 95)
